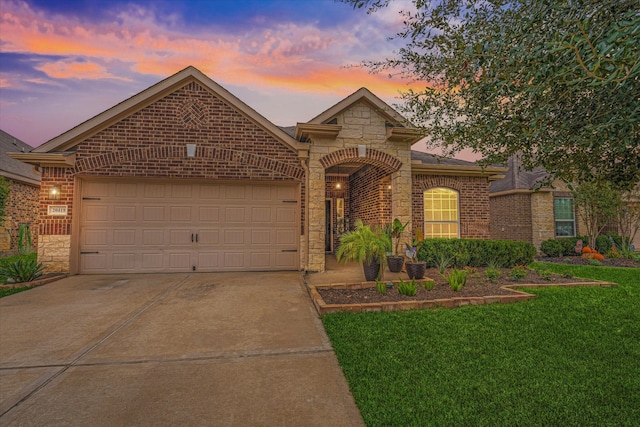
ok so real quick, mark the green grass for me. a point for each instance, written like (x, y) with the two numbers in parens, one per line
(571, 357)
(10, 291)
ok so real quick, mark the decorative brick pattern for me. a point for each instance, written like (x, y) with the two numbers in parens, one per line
(473, 202)
(373, 157)
(22, 207)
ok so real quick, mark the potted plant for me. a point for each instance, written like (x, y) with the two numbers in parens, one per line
(364, 245)
(395, 261)
(415, 268)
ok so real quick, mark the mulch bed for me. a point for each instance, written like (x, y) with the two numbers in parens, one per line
(577, 260)
(477, 286)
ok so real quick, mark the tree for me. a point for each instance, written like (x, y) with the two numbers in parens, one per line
(598, 204)
(557, 82)
(628, 216)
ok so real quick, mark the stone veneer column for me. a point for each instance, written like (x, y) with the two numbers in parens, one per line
(542, 221)
(401, 193)
(316, 220)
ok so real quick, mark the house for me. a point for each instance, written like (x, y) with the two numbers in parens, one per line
(22, 204)
(522, 211)
(184, 176)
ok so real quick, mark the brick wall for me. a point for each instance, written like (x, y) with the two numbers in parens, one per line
(511, 217)
(368, 201)
(152, 143)
(21, 208)
(473, 202)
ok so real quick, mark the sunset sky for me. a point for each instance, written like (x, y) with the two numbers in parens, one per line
(63, 62)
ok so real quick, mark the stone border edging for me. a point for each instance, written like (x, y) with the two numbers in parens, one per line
(323, 308)
(35, 283)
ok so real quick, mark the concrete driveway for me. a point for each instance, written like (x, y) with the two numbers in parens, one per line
(169, 349)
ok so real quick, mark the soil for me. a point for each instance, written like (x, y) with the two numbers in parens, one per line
(477, 286)
(576, 260)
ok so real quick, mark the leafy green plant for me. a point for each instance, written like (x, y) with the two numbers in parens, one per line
(443, 261)
(363, 245)
(461, 259)
(545, 274)
(594, 262)
(492, 274)
(480, 251)
(428, 284)
(397, 228)
(456, 279)
(24, 239)
(518, 272)
(24, 269)
(552, 247)
(408, 288)
(567, 260)
(381, 287)
(567, 275)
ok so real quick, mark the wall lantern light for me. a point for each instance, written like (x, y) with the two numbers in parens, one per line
(54, 193)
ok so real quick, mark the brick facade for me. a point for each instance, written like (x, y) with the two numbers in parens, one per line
(473, 193)
(369, 201)
(511, 217)
(151, 143)
(22, 207)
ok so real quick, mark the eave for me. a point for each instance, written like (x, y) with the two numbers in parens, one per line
(399, 134)
(492, 172)
(308, 130)
(21, 179)
(56, 160)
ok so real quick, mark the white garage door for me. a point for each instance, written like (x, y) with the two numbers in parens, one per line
(173, 227)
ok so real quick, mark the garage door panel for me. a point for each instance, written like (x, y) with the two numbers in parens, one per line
(148, 227)
(234, 214)
(96, 213)
(153, 237)
(124, 213)
(124, 237)
(123, 261)
(153, 213)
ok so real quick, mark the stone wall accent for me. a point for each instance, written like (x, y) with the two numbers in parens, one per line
(473, 201)
(361, 125)
(511, 217)
(54, 253)
(22, 207)
(542, 220)
(151, 143)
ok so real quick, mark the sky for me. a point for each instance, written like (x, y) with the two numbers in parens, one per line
(65, 61)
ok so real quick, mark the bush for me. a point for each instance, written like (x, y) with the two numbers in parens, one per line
(407, 288)
(476, 252)
(456, 279)
(552, 248)
(492, 274)
(24, 269)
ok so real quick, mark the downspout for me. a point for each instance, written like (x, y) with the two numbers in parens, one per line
(305, 166)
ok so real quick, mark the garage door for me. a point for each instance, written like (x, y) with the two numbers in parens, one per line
(175, 227)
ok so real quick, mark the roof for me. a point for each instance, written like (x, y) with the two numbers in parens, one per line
(427, 163)
(432, 159)
(12, 168)
(518, 179)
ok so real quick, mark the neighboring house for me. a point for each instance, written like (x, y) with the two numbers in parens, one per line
(520, 212)
(22, 204)
(184, 176)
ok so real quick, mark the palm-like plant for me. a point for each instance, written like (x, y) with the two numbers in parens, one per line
(364, 244)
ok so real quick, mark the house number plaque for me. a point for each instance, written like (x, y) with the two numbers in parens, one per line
(57, 210)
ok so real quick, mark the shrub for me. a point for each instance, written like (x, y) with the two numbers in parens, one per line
(428, 284)
(552, 248)
(480, 252)
(408, 288)
(456, 279)
(594, 262)
(545, 274)
(492, 274)
(24, 269)
(381, 287)
(518, 272)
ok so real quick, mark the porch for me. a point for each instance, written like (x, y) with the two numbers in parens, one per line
(351, 272)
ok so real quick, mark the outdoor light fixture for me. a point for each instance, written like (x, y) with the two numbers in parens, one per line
(54, 193)
(338, 184)
(191, 150)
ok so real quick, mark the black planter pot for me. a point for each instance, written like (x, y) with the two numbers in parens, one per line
(395, 263)
(371, 270)
(416, 270)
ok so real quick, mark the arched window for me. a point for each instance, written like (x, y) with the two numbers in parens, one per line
(441, 218)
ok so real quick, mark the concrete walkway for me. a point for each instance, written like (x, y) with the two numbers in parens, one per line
(173, 349)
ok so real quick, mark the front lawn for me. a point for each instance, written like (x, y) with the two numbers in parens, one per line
(571, 357)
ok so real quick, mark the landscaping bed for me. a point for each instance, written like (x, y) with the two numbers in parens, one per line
(577, 260)
(479, 290)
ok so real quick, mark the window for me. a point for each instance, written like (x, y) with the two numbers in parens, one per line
(564, 215)
(441, 217)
